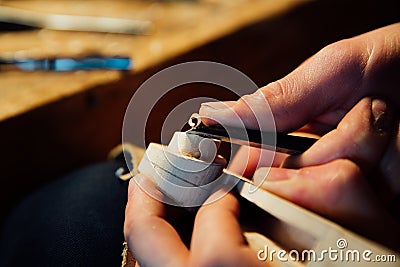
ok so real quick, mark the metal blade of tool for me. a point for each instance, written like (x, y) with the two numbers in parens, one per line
(284, 143)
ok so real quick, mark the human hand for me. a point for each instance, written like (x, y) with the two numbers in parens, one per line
(315, 97)
(352, 173)
(337, 176)
(324, 88)
(216, 240)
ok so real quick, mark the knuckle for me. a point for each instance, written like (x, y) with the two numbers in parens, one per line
(133, 225)
(340, 49)
(203, 213)
(130, 225)
(214, 257)
(277, 93)
(346, 179)
(276, 89)
(347, 173)
(128, 229)
(344, 55)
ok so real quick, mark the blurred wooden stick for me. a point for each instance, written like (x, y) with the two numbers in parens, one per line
(73, 22)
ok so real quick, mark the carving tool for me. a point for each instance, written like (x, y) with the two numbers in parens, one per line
(68, 64)
(279, 142)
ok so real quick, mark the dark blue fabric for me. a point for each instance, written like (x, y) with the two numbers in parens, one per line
(74, 221)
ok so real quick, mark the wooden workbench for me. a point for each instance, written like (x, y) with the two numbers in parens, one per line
(178, 27)
(51, 123)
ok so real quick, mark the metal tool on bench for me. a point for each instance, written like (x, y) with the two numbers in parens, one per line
(63, 64)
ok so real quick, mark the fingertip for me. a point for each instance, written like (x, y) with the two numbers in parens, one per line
(207, 121)
(217, 105)
(263, 175)
(220, 112)
(210, 112)
(383, 116)
(361, 136)
(134, 183)
(251, 111)
(292, 162)
(143, 188)
(131, 187)
(222, 199)
(260, 175)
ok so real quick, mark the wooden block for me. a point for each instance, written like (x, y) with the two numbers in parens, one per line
(181, 193)
(195, 146)
(182, 177)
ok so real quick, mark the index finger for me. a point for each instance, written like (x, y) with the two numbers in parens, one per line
(152, 240)
(217, 235)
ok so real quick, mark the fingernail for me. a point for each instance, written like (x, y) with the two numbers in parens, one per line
(291, 162)
(132, 186)
(214, 106)
(382, 116)
(266, 175)
(260, 175)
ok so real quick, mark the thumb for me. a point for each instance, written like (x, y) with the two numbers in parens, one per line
(323, 84)
(362, 137)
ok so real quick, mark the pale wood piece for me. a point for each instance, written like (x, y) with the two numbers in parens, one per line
(323, 233)
(201, 148)
(182, 178)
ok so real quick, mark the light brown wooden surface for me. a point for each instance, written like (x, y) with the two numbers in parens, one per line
(177, 28)
(52, 123)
